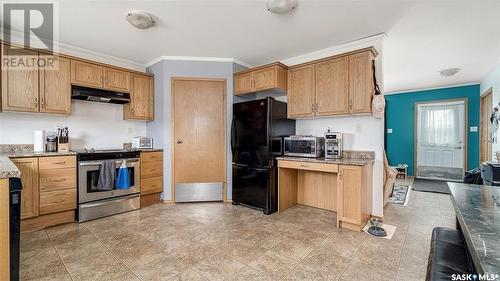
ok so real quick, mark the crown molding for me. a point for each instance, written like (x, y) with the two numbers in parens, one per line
(187, 58)
(431, 88)
(370, 41)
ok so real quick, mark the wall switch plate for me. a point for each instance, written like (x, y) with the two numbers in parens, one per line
(473, 129)
(389, 131)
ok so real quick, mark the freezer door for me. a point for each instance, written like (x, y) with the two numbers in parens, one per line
(250, 186)
(249, 133)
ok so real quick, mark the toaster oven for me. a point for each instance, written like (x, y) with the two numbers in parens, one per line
(304, 146)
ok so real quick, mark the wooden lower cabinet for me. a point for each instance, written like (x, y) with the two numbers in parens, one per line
(49, 191)
(151, 177)
(343, 189)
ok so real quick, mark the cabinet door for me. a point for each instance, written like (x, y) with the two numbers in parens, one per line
(86, 74)
(360, 82)
(301, 91)
(20, 86)
(332, 87)
(30, 192)
(264, 79)
(243, 83)
(141, 99)
(349, 194)
(55, 88)
(116, 80)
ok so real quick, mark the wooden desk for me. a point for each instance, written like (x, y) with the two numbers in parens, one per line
(345, 189)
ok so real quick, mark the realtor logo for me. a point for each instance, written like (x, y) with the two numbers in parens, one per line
(29, 26)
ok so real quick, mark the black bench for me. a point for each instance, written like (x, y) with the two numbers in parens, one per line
(448, 255)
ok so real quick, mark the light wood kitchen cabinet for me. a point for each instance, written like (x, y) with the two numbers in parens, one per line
(30, 193)
(151, 177)
(272, 76)
(141, 106)
(20, 86)
(86, 74)
(57, 201)
(354, 196)
(332, 87)
(361, 85)
(338, 85)
(301, 91)
(55, 88)
(116, 80)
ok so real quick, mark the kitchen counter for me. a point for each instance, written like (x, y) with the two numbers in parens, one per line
(350, 157)
(26, 154)
(477, 210)
(7, 168)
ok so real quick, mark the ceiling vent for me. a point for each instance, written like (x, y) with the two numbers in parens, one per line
(141, 20)
(281, 6)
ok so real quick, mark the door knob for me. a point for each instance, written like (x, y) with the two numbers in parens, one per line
(458, 147)
(179, 141)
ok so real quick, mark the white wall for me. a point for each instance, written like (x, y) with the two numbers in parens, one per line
(90, 124)
(361, 132)
(160, 128)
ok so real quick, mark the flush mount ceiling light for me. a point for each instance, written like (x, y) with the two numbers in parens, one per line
(141, 20)
(449, 72)
(281, 6)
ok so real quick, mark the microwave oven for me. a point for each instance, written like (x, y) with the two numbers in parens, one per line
(304, 146)
(142, 143)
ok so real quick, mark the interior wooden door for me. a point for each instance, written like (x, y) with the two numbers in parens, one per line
(20, 86)
(301, 91)
(485, 127)
(30, 193)
(332, 87)
(199, 133)
(361, 85)
(86, 74)
(116, 80)
(55, 88)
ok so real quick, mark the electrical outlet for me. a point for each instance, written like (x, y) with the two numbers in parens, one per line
(389, 131)
(473, 129)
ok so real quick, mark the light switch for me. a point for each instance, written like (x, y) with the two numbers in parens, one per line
(473, 129)
(389, 131)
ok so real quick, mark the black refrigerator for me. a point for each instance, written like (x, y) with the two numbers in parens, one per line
(257, 132)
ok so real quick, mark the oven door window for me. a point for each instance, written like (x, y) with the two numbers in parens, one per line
(300, 146)
(93, 179)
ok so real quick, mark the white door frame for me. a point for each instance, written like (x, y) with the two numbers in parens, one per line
(415, 131)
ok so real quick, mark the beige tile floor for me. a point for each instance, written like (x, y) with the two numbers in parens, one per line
(216, 241)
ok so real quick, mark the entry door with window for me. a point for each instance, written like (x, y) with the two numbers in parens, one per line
(441, 140)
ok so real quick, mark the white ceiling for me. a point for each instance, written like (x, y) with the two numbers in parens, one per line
(423, 37)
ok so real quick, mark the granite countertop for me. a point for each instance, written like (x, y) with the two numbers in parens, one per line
(25, 154)
(7, 168)
(478, 211)
(341, 161)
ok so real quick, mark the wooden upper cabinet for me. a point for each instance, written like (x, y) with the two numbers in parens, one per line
(301, 91)
(141, 106)
(272, 76)
(332, 87)
(243, 83)
(86, 74)
(30, 193)
(55, 88)
(116, 80)
(20, 86)
(361, 85)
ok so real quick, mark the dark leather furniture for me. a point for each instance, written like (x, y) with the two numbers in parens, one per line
(448, 255)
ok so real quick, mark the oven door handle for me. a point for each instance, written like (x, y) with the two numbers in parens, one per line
(109, 201)
(99, 163)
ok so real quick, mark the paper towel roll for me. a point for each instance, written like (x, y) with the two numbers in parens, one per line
(38, 136)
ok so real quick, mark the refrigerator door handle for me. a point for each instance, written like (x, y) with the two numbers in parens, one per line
(240, 165)
(233, 135)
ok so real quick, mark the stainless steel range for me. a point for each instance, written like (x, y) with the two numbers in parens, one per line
(94, 202)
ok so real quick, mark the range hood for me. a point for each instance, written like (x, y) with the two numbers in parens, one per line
(96, 95)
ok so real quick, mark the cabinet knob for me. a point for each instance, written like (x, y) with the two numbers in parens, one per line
(179, 141)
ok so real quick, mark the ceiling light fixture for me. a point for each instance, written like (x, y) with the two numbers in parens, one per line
(281, 6)
(141, 20)
(449, 72)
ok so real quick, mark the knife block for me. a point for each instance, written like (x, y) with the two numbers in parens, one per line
(62, 146)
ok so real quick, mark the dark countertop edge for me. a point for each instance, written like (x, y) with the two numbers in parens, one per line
(341, 161)
(470, 245)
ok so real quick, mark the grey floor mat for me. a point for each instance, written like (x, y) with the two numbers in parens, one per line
(431, 186)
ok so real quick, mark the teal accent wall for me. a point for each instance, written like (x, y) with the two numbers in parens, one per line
(400, 118)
